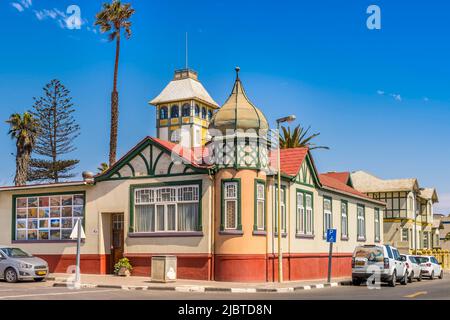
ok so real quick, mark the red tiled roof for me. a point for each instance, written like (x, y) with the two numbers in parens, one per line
(328, 180)
(291, 160)
(341, 176)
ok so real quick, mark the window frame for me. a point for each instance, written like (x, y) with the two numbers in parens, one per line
(172, 108)
(346, 235)
(283, 212)
(238, 228)
(325, 213)
(359, 236)
(258, 200)
(163, 113)
(377, 225)
(185, 107)
(308, 229)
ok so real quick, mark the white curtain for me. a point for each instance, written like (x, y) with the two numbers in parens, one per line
(187, 216)
(145, 218)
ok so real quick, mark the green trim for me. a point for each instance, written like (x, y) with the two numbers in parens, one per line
(157, 160)
(222, 201)
(170, 168)
(132, 169)
(377, 212)
(346, 206)
(364, 215)
(255, 216)
(283, 187)
(133, 187)
(145, 161)
(304, 193)
(46, 194)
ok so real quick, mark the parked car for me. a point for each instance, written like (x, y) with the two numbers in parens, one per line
(413, 267)
(383, 260)
(16, 264)
(430, 267)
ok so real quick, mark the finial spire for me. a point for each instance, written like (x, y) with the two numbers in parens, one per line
(237, 72)
(187, 65)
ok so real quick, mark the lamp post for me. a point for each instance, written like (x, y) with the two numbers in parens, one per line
(280, 254)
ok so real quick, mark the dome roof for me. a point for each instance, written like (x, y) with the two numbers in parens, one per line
(238, 112)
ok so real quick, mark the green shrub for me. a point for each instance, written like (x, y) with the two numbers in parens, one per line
(122, 263)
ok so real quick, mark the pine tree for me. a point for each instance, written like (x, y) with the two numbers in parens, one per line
(57, 131)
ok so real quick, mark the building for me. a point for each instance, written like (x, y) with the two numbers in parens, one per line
(443, 240)
(210, 200)
(408, 218)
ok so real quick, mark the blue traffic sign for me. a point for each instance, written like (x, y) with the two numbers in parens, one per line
(331, 235)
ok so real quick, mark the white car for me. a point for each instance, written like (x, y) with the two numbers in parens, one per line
(413, 267)
(378, 260)
(430, 267)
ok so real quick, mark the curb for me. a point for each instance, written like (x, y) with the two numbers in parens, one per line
(203, 288)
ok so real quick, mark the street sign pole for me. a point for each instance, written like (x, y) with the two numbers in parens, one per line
(330, 254)
(77, 275)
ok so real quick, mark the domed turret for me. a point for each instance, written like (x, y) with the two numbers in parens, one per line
(238, 113)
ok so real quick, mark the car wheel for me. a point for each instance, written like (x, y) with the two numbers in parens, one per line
(39, 279)
(11, 275)
(404, 280)
(420, 276)
(441, 276)
(356, 281)
(393, 281)
(432, 275)
(411, 277)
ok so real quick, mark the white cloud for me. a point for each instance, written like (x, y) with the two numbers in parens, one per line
(397, 97)
(26, 3)
(380, 92)
(17, 6)
(426, 99)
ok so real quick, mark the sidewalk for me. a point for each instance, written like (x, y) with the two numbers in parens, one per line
(144, 283)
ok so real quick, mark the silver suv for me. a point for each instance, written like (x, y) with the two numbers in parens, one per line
(16, 264)
(383, 261)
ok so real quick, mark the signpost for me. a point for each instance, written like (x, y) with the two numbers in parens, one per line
(331, 238)
(78, 233)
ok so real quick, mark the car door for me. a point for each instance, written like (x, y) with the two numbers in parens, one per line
(399, 265)
(2, 264)
(436, 266)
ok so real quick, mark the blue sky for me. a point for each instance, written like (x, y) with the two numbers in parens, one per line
(379, 98)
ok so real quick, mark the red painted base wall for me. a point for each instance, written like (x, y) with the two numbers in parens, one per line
(237, 268)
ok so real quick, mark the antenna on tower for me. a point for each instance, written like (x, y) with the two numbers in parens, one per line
(187, 65)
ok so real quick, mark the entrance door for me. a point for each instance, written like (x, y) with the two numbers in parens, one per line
(116, 239)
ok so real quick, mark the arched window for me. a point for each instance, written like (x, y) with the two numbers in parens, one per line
(203, 113)
(197, 110)
(163, 113)
(174, 112)
(210, 114)
(186, 110)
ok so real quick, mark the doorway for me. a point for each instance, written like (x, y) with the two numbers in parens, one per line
(117, 239)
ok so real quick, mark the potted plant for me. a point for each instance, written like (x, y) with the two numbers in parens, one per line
(123, 268)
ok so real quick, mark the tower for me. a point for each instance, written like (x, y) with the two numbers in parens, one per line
(184, 110)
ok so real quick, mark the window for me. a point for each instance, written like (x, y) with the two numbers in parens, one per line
(175, 135)
(309, 214)
(49, 217)
(230, 191)
(301, 216)
(396, 204)
(344, 219)
(163, 113)
(174, 112)
(377, 225)
(361, 223)
(327, 215)
(203, 113)
(425, 240)
(186, 110)
(260, 208)
(197, 110)
(405, 234)
(283, 209)
(210, 114)
(167, 208)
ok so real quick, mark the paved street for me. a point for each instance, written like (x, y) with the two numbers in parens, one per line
(437, 289)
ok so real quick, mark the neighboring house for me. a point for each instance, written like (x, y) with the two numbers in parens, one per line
(444, 231)
(219, 218)
(408, 219)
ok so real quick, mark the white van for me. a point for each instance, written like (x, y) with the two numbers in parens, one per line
(379, 260)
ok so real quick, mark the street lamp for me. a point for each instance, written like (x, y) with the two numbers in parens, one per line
(280, 257)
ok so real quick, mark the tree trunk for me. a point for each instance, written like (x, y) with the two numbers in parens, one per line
(22, 163)
(114, 109)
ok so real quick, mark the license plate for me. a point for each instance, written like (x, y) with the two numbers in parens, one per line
(360, 263)
(41, 273)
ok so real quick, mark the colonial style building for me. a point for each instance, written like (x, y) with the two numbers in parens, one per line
(408, 218)
(209, 199)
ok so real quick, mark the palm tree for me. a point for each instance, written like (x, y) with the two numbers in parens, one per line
(103, 167)
(114, 17)
(298, 138)
(24, 129)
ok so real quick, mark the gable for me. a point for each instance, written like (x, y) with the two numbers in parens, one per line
(307, 175)
(148, 159)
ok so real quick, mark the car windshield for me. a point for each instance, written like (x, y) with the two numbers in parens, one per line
(373, 254)
(413, 260)
(16, 253)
